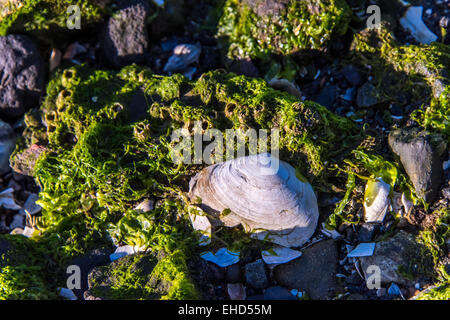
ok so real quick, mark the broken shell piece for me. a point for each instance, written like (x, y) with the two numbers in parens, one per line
(183, 56)
(362, 250)
(145, 206)
(30, 232)
(412, 21)
(7, 200)
(263, 194)
(67, 294)
(125, 251)
(286, 85)
(74, 49)
(297, 293)
(55, 59)
(333, 234)
(201, 223)
(396, 202)
(282, 255)
(30, 205)
(223, 257)
(236, 291)
(407, 204)
(376, 200)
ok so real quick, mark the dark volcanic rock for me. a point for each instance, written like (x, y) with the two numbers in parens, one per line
(420, 153)
(244, 67)
(314, 272)
(397, 255)
(7, 144)
(255, 274)
(124, 39)
(352, 75)
(21, 75)
(368, 96)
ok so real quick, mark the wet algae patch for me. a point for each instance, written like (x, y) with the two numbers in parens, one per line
(99, 162)
(272, 32)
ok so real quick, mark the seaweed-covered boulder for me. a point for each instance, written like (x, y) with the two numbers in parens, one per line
(138, 276)
(260, 29)
(420, 153)
(22, 76)
(124, 39)
(401, 259)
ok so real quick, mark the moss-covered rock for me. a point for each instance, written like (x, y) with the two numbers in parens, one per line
(264, 29)
(415, 75)
(141, 276)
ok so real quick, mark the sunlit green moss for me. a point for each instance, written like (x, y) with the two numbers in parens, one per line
(283, 30)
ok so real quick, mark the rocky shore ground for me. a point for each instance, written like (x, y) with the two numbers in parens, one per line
(92, 206)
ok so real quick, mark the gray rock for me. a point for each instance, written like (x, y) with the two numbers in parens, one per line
(124, 40)
(21, 75)
(327, 96)
(420, 153)
(368, 96)
(24, 162)
(314, 272)
(278, 293)
(244, 67)
(352, 75)
(255, 274)
(394, 256)
(7, 144)
(366, 232)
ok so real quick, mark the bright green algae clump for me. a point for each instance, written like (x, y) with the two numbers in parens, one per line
(100, 164)
(47, 17)
(266, 29)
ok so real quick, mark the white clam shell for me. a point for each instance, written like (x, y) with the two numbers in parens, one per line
(282, 255)
(412, 21)
(376, 200)
(263, 194)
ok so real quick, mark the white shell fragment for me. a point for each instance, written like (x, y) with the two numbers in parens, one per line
(376, 200)
(67, 294)
(362, 250)
(263, 194)
(412, 21)
(125, 251)
(7, 200)
(223, 257)
(145, 206)
(30, 205)
(202, 223)
(282, 255)
(29, 232)
(183, 56)
(333, 234)
(55, 59)
(407, 204)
